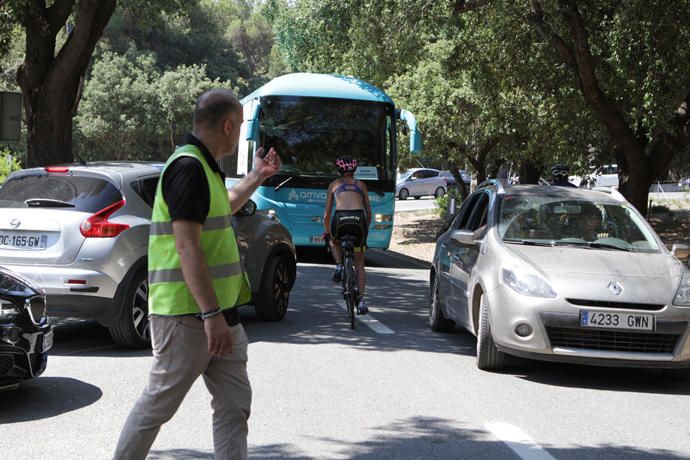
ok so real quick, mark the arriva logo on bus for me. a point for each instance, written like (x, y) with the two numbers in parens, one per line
(317, 196)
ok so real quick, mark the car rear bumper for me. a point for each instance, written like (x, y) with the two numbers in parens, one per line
(93, 297)
(558, 336)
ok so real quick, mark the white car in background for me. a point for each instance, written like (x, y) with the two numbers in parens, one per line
(419, 182)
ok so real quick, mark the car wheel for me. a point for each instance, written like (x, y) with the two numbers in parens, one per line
(439, 192)
(271, 302)
(437, 320)
(132, 329)
(488, 356)
(403, 194)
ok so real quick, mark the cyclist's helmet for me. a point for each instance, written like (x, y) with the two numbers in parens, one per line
(560, 170)
(346, 165)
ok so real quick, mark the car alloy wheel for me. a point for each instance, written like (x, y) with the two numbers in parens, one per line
(132, 328)
(274, 295)
(403, 194)
(439, 192)
(489, 358)
(437, 320)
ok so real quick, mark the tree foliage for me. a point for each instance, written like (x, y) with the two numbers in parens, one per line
(587, 82)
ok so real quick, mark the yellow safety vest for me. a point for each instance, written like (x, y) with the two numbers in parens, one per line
(168, 291)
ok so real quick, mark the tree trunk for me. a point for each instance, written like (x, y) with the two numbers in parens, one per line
(479, 161)
(50, 82)
(459, 183)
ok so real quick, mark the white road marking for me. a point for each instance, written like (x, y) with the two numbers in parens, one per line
(374, 324)
(518, 441)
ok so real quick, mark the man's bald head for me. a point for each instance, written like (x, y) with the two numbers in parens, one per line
(214, 106)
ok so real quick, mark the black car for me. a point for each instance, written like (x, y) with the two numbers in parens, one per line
(26, 333)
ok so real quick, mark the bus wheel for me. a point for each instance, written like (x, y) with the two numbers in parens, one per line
(403, 194)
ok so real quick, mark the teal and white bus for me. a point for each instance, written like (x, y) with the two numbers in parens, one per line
(311, 119)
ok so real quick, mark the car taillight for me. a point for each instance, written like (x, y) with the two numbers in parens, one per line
(56, 169)
(97, 226)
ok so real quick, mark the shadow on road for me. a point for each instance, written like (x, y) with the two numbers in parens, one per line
(397, 298)
(435, 438)
(46, 397)
(87, 338)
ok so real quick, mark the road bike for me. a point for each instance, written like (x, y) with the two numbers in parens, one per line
(349, 278)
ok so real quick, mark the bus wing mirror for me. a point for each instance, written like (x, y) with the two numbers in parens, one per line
(415, 135)
(416, 142)
(254, 124)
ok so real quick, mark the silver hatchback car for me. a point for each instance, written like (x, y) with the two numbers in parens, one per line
(81, 233)
(561, 274)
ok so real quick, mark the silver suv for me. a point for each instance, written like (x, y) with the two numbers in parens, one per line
(81, 233)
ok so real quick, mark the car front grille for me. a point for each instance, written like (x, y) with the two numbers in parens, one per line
(607, 304)
(640, 342)
(6, 364)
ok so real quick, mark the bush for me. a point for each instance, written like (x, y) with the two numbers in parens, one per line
(8, 164)
(444, 200)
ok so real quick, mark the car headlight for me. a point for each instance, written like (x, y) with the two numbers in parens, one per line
(8, 310)
(682, 297)
(526, 281)
(270, 213)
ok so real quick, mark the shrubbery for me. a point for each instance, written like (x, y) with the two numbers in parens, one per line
(8, 164)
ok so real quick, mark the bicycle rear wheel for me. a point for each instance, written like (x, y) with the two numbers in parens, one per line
(350, 285)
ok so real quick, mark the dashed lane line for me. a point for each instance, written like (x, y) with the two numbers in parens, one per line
(374, 324)
(518, 441)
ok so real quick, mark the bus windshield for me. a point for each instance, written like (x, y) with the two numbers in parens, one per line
(309, 133)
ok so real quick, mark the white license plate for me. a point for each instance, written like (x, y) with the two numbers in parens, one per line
(617, 320)
(48, 341)
(316, 239)
(23, 240)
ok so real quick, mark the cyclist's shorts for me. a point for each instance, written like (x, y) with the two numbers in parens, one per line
(350, 223)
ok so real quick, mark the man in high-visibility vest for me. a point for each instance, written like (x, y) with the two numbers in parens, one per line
(196, 283)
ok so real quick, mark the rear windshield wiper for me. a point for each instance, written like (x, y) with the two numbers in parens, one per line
(47, 203)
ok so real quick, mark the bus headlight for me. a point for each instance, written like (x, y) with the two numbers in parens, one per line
(383, 218)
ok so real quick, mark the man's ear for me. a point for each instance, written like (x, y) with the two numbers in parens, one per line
(227, 126)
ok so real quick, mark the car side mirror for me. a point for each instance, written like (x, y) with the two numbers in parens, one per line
(248, 209)
(681, 251)
(466, 237)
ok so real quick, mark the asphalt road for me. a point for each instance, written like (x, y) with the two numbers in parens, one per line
(390, 389)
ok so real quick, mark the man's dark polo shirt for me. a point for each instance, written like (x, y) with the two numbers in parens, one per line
(185, 187)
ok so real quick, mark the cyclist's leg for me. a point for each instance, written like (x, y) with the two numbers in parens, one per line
(336, 251)
(361, 280)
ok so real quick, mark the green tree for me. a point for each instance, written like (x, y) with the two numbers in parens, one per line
(131, 111)
(60, 37)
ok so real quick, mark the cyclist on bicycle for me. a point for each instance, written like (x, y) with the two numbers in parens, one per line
(352, 218)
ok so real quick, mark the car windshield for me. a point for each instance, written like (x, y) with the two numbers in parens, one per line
(404, 175)
(310, 133)
(551, 221)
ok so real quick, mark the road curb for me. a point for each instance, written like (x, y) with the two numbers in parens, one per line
(403, 258)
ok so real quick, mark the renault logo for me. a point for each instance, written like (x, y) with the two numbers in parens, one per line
(615, 288)
(15, 223)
